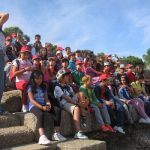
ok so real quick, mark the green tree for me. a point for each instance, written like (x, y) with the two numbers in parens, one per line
(146, 57)
(132, 60)
(10, 30)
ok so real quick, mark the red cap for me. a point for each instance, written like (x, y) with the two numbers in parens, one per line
(79, 62)
(8, 38)
(129, 66)
(25, 49)
(35, 57)
(59, 48)
(103, 77)
(14, 35)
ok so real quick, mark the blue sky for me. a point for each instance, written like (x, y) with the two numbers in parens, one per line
(112, 26)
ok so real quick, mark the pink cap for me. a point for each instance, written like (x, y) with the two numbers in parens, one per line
(35, 57)
(79, 62)
(129, 66)
(8, 38)
(103, 77)
(25, 49)
(14, 35)
(59, 48)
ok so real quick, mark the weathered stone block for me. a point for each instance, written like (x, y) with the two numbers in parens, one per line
(11, 101)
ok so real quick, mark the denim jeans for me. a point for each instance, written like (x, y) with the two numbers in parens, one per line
(101, 115)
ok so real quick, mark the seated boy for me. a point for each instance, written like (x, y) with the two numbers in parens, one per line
(68, 101)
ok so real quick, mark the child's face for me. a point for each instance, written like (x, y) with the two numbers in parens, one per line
(67, 78)
(123, 81)
(79, 67)
(88, 83)
(52, 63)
(39, 80)
(122, 70)
(25, 55)
(43, 52)
(59, 56)
(65, 64)
(73, 57)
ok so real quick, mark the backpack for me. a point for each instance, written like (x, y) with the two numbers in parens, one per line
(10, 80)
(50, 92)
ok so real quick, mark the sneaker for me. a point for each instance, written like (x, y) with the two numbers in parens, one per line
(119, 129)
(24, 108)
(148, 120)
(83, 121)
(110, 128)
(43, 140)
(142, 120)
(80, 135)
(58, 137)
(104, 128)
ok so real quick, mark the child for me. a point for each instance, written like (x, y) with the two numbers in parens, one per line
(78, 74)
(101, 113)
(102, 92)
(72, 59)
(125, 93)
(68, 101)
(39, 103)
(22, 71)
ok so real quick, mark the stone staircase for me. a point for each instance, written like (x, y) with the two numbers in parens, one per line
(18, 131)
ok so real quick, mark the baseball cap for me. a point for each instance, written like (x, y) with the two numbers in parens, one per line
(106, 63)
(35, 57)
(103, 77)
(61, 73)
(129, 66)
(25, 49)
(8, 38)
(59, 48)
(13, 35)
(122, 66)
(58, 52)
(79, 62)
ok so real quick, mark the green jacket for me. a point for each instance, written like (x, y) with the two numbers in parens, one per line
(77, 77)
(89, 93)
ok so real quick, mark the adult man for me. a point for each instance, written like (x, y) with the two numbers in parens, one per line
(3, 18)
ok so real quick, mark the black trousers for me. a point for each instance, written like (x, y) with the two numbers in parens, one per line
(56, 114)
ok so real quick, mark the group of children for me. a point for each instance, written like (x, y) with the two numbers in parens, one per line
(51, 82)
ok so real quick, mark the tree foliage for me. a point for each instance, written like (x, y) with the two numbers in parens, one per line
(10, 30)
(132, 60)
(146, 57)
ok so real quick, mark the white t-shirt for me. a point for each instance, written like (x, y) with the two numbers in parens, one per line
(23, 64)
(58, 93)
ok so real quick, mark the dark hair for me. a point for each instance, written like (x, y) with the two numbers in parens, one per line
(37, 35)
(35, 75)
(67, 48)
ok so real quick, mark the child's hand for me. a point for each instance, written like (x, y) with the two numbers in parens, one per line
(46, 108)
(28, 68)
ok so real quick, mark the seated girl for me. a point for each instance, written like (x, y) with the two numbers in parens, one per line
(39, 103)
(125, 93)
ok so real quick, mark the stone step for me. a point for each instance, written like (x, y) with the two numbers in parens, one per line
(13, 136)
(9, 120)
(66, 145)
(33, 146)
(82, 145)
